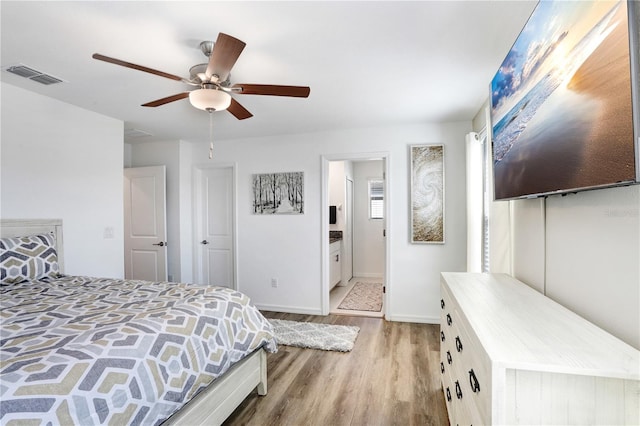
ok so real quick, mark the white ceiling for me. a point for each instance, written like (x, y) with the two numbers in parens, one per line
(367, 63)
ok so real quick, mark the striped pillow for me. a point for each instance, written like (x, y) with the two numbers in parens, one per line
(28, 258)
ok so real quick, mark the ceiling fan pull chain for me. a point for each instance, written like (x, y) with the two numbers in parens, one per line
(210, 134)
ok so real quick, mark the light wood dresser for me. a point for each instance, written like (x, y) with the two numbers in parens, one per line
(510, 355)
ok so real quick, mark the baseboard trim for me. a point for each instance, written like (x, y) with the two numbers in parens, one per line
(367, 275)
(288, 309)
(415, 319)
(312, 311)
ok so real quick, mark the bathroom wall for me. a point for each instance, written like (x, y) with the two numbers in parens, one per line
(368, 241)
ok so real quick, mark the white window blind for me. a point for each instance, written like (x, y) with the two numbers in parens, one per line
(486, 199)
(478, 155)
(376, 199)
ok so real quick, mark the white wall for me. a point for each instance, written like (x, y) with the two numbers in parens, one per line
(289, 247)
(337, 193)
(368, 242)
(593, 250)
(63, 162)
(186, 214)
(528, 242)
(591, 256)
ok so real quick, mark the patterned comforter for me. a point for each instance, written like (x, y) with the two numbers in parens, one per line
(79, 350)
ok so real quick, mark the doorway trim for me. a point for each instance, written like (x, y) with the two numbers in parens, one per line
(324, 215)
(197, 218)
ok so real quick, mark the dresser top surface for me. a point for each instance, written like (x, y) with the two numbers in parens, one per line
(521, 328)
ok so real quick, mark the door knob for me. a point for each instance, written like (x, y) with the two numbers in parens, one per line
(204, 242)
(161, 244)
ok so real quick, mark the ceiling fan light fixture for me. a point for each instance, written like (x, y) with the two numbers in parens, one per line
(210, 99)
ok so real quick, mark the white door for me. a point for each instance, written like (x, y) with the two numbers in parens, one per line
(215, 229)
(347, 271)
(145, 226)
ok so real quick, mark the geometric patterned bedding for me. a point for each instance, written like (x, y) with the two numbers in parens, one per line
(80, 350)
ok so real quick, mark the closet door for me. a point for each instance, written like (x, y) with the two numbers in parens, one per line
(216, 227)
(145, 226)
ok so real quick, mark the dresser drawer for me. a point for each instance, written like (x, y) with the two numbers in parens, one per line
(474, 372)
(447, 387)
(460, 407)
(456, 401)
(467, 364)
(447, 355)
(448, 331)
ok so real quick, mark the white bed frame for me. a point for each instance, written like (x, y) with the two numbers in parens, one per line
(211, 406)
(25, 227)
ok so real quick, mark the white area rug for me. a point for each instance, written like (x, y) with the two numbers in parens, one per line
(363, 297)
(327, 337)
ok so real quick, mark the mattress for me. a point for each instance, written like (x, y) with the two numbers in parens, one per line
(81, 350)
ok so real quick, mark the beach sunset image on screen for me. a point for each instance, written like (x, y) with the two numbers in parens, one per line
(561, 102)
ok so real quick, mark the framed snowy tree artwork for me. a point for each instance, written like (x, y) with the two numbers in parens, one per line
(278, 193)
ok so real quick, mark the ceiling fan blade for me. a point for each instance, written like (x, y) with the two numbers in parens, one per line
(166, 100)
(224, 55)
(238, 110)
(135, 67)
(273, 90)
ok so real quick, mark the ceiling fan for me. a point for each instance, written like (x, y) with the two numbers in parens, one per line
(215, 89)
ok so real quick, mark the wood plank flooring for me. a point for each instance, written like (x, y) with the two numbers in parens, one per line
(391, 377)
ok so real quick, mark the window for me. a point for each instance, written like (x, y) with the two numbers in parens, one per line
(486, 199)
(478, 201)
(376, 199)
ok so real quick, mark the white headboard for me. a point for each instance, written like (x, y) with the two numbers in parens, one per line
(25, 227)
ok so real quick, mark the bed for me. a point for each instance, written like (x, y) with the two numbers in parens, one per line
(81, 350)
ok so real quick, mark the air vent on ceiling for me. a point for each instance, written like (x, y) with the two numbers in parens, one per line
(135, 134)
(32, 74)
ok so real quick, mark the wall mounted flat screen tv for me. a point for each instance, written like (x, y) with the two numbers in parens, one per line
(564, 103)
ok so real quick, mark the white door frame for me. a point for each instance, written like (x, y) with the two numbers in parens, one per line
(324, 215)
(197, 218)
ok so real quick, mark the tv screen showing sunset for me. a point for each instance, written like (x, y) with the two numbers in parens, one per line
(561, 102)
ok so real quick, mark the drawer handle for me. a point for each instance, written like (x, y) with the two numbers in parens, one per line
(442, 336)
(473, 381)
(449, 320)
(458, 390)
(442, 303)
(442, 367)
(458, 344)
(449, 359)
(448, 395)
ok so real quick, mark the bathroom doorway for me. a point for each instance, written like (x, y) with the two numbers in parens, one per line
(355, 215)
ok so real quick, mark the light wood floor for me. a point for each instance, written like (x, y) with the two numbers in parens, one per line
(391, 377)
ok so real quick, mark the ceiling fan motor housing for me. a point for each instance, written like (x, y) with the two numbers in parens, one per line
(207, 47)
(196, 71)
